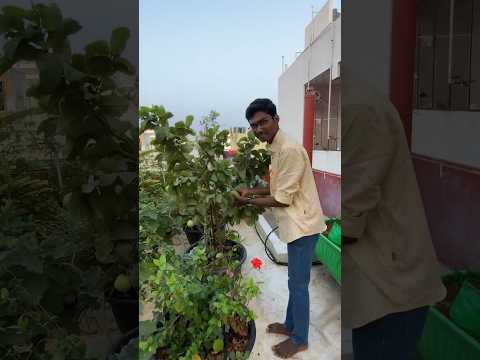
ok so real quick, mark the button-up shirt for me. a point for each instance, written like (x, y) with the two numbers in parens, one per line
(292, 183)
(393, 266)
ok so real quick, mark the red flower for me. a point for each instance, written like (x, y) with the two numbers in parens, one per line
(256, 263)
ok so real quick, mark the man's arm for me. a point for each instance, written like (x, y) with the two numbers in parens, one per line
(265, 201)
(258, 190)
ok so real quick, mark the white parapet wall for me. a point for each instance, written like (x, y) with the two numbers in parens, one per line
(327, 161)
(452, 136)
(313, 61)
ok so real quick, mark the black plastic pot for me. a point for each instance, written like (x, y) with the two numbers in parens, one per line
(194, 234)
(240, 255)
(122, 342)
(252, 335)
(125, 311)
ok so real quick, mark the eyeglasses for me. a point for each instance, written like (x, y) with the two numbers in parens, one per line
(260, 123)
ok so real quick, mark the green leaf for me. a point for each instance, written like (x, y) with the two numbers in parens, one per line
(118, 40)
(5, 64)
(189, 120)
(10, 47)
(36, 285)
(124, 66)
(51, 72)
(147, 328)
(51, 16)
(114, 105)
(78, 62)
(100, 65)
(97, 48)
(15, 11)
(70, 26)
(72, 74)
(218, 345)
(48, 127)
(53, 300)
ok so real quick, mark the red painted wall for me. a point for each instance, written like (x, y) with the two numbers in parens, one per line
(451, 196)
(329, 191)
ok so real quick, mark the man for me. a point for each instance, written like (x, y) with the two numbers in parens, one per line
(293, 195)
(390, 273)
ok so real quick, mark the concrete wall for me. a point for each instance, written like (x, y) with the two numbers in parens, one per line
(291, 84)
(319, 22)
(373, 24)
(327, 161)
(451, 136)
(329, 189)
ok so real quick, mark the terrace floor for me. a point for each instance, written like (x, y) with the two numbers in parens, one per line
(270, 305)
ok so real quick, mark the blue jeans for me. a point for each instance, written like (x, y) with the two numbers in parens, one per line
(300, 256)
(393, 337)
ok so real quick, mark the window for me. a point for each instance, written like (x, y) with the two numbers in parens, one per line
(448, 55)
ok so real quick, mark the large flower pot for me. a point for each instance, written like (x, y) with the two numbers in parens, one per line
(122, 342)
(240, 255)
(252, 335)
(125, 310)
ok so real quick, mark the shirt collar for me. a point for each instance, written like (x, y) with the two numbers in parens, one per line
(277, 142)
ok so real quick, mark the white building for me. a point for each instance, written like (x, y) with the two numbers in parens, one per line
(318, 66)
(426, 56)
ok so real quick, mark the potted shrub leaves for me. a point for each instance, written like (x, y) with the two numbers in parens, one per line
(198, 313)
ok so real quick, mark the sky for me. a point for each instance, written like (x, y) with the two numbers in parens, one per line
(202, 55)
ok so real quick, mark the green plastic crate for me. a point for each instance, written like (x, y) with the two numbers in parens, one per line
(330, 255)
(443, 340)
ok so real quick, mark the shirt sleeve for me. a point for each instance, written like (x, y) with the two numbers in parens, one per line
(368, 144)
(291, 166)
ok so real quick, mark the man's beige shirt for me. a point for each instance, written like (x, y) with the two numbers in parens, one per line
(393, 266)
(292, 183)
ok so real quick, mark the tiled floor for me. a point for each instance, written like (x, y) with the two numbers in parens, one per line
(325, 297)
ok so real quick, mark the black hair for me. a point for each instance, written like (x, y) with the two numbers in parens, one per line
(265, 105)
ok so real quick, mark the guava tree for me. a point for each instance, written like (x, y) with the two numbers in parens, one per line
(81, 101)
(198, 176)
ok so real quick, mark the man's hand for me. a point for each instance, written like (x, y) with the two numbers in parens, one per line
(244, 192)
(241, 201)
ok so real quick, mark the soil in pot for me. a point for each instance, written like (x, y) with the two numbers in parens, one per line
(125, 309)
(242, 339)
(194, 234)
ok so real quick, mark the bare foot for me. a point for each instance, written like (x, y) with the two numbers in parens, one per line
(277, 328)
(286, 349)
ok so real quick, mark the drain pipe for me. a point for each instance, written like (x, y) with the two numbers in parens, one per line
(309, 121)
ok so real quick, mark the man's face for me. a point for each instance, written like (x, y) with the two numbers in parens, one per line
(264, 126)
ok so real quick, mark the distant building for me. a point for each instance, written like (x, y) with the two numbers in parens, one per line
(235, 134)
(146, 140)
(19, 128)
(13, 87)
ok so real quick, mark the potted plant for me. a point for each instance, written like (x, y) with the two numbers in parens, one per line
(43, 281)
(201, 181)
(198, 313)
(81, 101)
